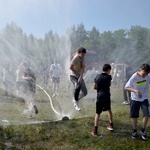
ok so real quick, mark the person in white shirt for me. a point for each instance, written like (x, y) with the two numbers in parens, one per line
(55, 73)
(138, 84)
(8, 80)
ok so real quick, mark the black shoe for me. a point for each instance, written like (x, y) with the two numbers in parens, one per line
(35, 109)
(143, 135)
(134, 135)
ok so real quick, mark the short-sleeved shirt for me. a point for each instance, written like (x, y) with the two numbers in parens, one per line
(55, 70)
(78, 64)
(30, 85)
(103, 84)
(141, 84)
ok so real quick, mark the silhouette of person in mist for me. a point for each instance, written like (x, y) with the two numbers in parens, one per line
(45, 75)
(55, 73)
(27, 81)
(8, 80)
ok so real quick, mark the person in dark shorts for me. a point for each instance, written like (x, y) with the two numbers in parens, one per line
(138, 84)
(102, 83)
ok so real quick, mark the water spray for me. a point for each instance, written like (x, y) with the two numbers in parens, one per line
(51, 103)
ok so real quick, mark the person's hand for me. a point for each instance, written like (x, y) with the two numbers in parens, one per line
(30, 78)
(77, 74)
(27, 78)
(139, 95)
(79, 79)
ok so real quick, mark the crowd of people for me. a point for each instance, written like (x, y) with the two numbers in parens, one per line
(21, 84)
(135, 88)
(135, 91)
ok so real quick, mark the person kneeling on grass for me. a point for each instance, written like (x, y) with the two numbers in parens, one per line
(102, 85)
(138, 84)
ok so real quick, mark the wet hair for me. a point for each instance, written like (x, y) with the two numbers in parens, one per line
(106, 67)
(81, 50)
(145, 67)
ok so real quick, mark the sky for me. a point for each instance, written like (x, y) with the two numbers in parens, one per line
(38, 17)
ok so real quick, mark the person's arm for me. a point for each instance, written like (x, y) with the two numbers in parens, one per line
(73, 70)
(110, 83)
(82, 72)
(130, 86)
(27, 78)
(95, 86)
(139, 95)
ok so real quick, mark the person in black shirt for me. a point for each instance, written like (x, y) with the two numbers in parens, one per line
(102, 84)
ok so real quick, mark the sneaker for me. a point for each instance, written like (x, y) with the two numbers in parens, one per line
(143, 135)
(110, 128)
(76, 106)
(134, 135)
(35, 109)
(94, 134)
(73, 100)
(125, 103)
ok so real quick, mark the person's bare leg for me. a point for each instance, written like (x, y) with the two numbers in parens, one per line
(110, 116)
(144, 122)
(134, 123)
(96, 120)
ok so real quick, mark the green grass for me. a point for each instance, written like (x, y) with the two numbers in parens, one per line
(21, 133)
(72, 134)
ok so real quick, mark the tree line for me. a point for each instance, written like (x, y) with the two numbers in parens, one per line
(132, 45)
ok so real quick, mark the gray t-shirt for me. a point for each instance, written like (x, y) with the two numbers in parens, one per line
(78, 64)
(141, 84)
(55, 70)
